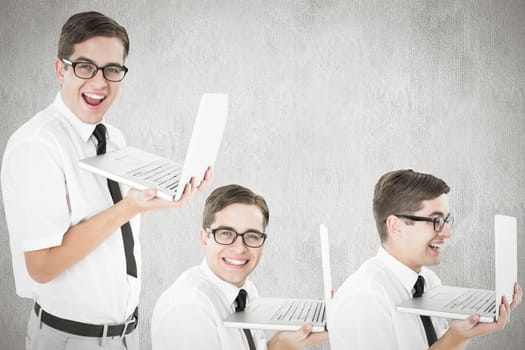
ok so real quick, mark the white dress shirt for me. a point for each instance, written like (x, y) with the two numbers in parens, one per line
(364, 316)
(190, 313)
(45, 192)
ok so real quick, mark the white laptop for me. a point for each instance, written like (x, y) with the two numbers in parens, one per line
(289, 314)
(142, 170)
(460, 303)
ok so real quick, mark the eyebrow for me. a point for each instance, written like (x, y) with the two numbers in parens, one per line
(85, 59)
(231, 228)
(438, 213)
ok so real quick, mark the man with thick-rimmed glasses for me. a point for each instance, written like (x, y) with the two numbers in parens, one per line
(190, 313)
(74, 239)
(413, 219)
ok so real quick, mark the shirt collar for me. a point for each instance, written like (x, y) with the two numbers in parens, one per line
(404, 274)
(84, 130)
(229, 291)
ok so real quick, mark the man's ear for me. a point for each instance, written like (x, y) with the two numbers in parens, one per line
(59, 70)
(203, 237)
(394, 227)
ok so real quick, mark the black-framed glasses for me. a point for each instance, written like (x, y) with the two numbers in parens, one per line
(87, 70)
(228, 236)
(438, 222)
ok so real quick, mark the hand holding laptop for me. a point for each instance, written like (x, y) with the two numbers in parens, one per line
(518, 296)
(460, 332)
(147, 199)
(299, 339)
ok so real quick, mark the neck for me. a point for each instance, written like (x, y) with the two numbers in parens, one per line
(400, 256)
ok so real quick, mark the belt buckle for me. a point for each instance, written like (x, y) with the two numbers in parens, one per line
(126, 324)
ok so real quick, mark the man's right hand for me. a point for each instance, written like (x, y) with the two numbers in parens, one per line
(301, 338)
(461, 332)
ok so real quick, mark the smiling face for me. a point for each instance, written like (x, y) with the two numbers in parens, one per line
(233, 263)
(415, 243)
(90, 99)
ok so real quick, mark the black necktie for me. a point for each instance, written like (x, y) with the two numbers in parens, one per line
(419, 289)
(240, 302)
(114, 189)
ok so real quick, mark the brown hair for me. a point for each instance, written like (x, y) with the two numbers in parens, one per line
(403, 191)
(85, 25)
(224, 196)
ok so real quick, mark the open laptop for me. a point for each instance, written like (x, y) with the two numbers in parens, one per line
(142, 170)
(460, 303)
(289, 314)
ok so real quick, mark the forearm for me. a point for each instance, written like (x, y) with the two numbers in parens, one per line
(450, 341)
(46, 264)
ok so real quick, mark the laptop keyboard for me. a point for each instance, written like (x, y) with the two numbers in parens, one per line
(475, 301)
(301, 310)
(164, 174)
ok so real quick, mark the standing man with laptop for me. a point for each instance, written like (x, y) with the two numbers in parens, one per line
(413, 219)
(74, 239)
(190, 313)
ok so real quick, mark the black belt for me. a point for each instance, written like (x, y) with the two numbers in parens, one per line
(87, 329)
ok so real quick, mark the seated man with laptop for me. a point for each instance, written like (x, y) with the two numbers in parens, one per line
(412, 216)
(190, 313)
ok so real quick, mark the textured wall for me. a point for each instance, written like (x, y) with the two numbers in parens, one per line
(325, 97)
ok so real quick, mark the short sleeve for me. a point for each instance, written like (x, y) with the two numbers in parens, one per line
(35, 195)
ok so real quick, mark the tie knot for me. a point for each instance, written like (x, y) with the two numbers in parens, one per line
(419, 287)
(100, 135)
(241, 300)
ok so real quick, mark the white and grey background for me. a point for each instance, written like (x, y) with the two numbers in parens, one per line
(325, 96)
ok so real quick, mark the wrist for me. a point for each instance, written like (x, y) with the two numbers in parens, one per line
(128, 207)
(451, 340)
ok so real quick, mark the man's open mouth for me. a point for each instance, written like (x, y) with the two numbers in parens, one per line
(93, 99)
(235, 262)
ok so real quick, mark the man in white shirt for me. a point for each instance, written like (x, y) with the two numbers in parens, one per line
(413, 220)
(190, 313)
(74, 252)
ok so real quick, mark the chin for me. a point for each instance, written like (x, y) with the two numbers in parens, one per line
(91, 118)
(433, 263)
(236, 282)
(234, 279)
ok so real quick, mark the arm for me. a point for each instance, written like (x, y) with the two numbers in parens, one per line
(35, 177)
(44, 265)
